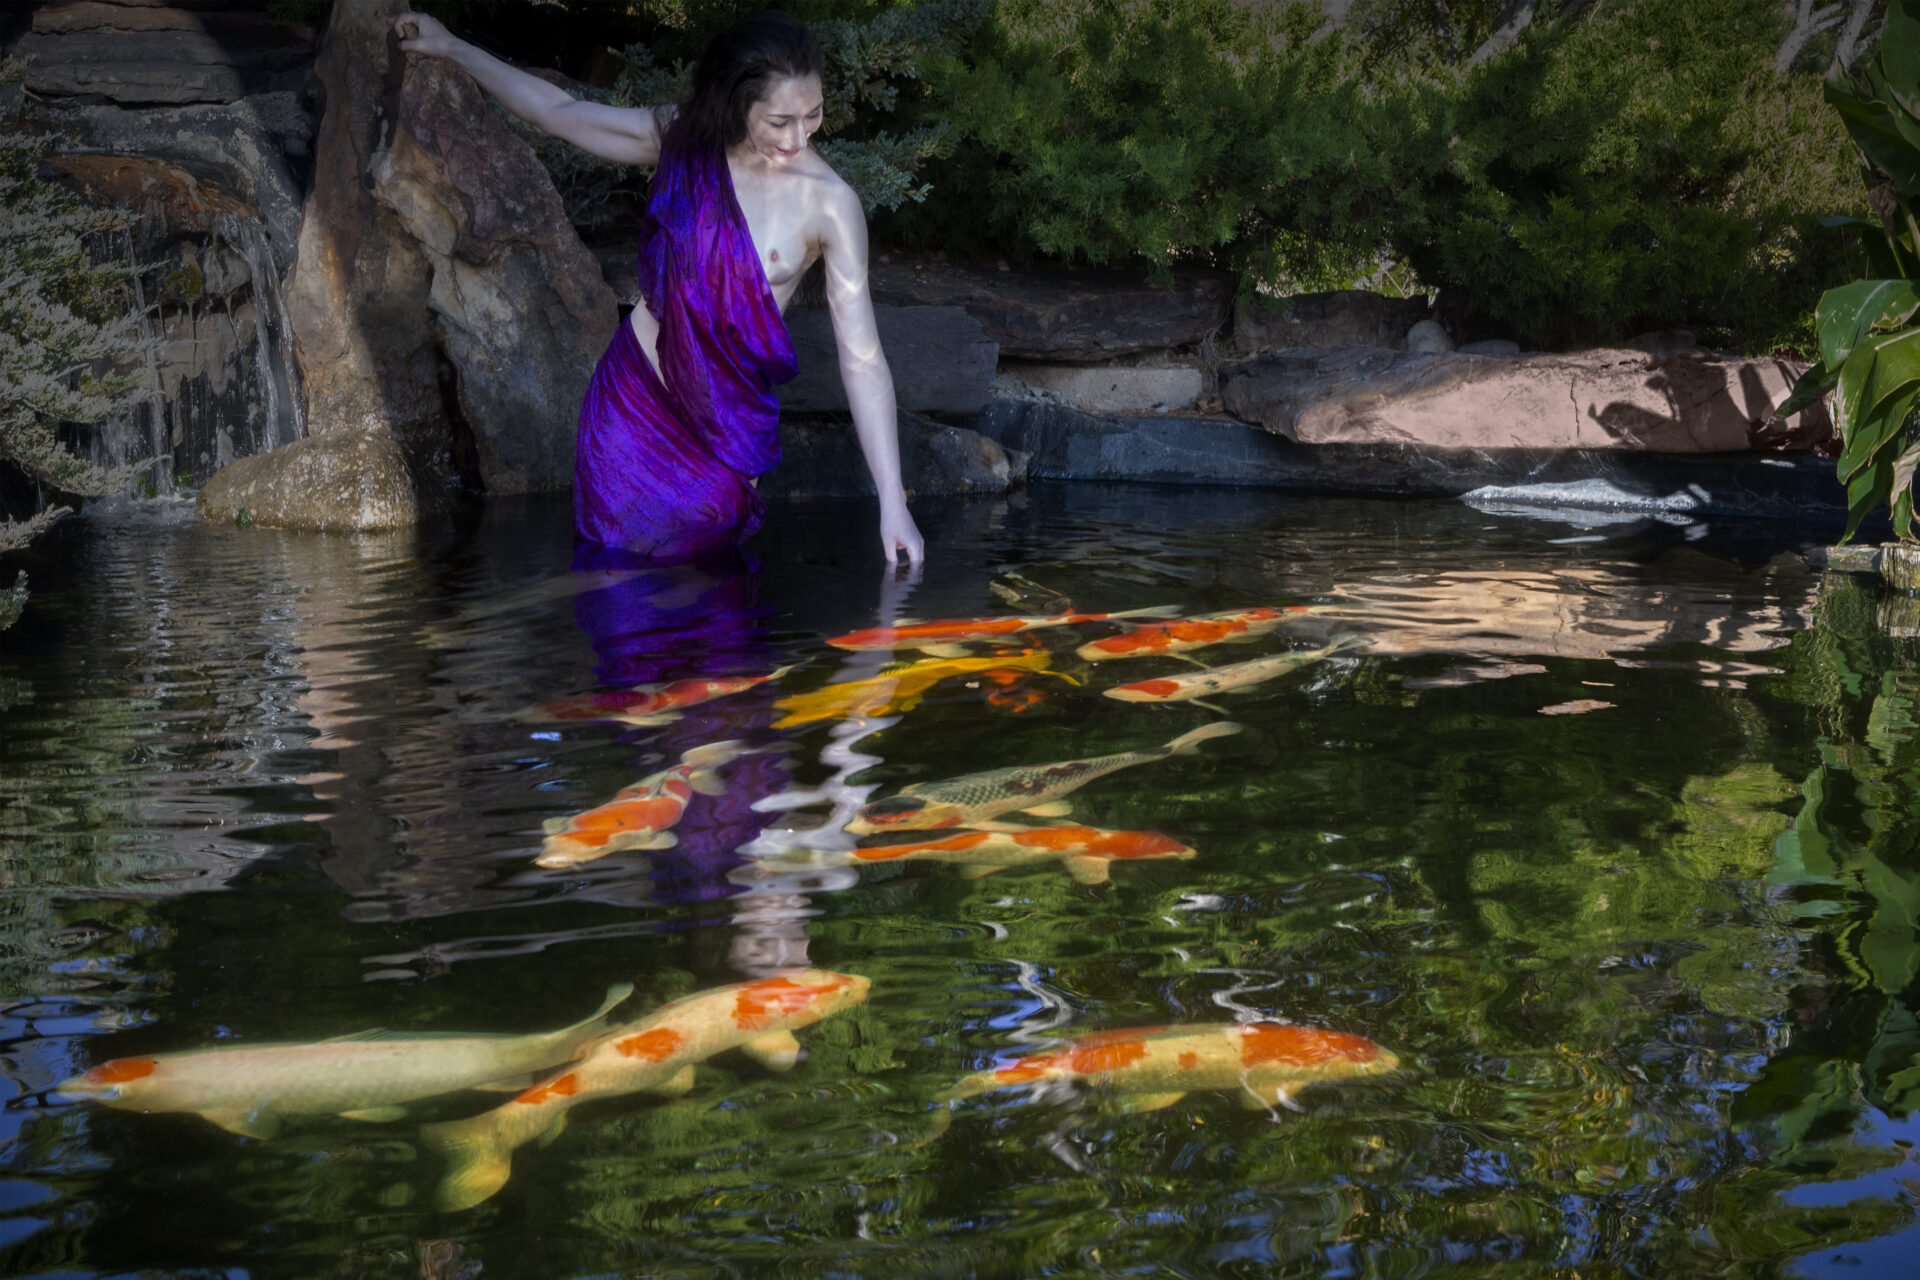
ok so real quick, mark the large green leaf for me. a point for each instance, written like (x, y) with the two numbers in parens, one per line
(1866, 491)
(1899, 56)
(1870, 122)
(1879, 369)
(1886, 259)
(1874, 437)
(1815, 383)
(1846, 315)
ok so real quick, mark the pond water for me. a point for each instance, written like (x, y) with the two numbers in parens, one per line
(1606, 833)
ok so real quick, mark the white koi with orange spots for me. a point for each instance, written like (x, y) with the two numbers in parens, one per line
(639, 816)
(1267, 1062)
(654, 1055)
(1178, 635)
(247, 1088)
(1087, 853)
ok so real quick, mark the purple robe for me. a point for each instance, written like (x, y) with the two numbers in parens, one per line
(666, 460)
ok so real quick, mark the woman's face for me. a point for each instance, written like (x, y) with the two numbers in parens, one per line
(779, 124)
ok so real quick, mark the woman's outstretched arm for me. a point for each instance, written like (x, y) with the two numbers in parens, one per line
(863, 368)
(624, 135)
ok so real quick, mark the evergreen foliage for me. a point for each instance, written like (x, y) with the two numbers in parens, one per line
(63, 327)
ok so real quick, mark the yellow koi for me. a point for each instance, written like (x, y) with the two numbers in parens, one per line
(898, 688)
(1087, 853)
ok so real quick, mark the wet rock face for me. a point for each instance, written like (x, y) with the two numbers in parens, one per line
(1064, 315)
(148, 53)
(519, 310)
(819, 460)
(1688, 402)
(344, 481)
(941, 359)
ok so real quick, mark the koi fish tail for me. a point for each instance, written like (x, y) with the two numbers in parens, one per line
(971, 1087)
(1341, 643)
(1188, 743)
(478, 1153)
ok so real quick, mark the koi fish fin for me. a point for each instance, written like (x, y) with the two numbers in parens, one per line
(1152, 611)
(554, 1130)
(944, 650)
(1187, 658)
(680, 1082)
(1134, 1103)
(1051, 809)
(1089, 870)
(776, 1051)
(375, 1115)
(980, 870)
(715, 754)
(479, 1158)
(1280, 1095)
(1213, 707)
(658, 840)
(706, 782)
(257, 1123)
(554, 826)
(591, 1025)
(641, 720)
(510, 1084)
(1188, 743)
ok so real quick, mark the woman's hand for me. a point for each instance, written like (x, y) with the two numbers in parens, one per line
(421, 33)
(898, 533)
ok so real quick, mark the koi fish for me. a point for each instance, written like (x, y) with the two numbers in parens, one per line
(1087, 853)
(1035, 788)
(898, 688)
(1178, 635)
(1157, 1066)
(1229, 679)
(638, 817)
(247, 1088)
(654, 1055)
(645, 705)
(945, 638)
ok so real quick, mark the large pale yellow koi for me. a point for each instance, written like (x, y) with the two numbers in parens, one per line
(654, 1055)
(1189, 685)
(247, 1088)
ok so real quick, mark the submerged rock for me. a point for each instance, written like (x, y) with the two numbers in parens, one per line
(1688, 402)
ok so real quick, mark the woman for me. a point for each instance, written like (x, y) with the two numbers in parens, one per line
(680, 417)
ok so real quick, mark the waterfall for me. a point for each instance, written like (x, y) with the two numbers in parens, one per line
(273, 354)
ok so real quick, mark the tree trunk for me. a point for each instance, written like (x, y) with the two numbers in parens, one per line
(1808, 22)
(1514, 17)
(1849, 47)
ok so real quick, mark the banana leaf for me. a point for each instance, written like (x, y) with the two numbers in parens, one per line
(1871, 124)
(1809, 388)
(1846, 315)
(1899, 56)
(1881, 368)
(1886, 259)
(1865, 491)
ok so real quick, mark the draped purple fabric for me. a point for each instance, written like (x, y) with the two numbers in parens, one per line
(666, 460)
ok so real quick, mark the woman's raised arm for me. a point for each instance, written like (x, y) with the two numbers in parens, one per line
(624, 135)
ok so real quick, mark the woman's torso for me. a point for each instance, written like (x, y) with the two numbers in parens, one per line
(783, 210)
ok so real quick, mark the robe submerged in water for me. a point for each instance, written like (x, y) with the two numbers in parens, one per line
(666, 460)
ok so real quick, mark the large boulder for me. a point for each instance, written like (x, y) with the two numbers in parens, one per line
(823, 460)
(1336, 318)
(1063, 315)
(142, 54)
(519, 309)
(345, 481)
(358, 293)
(941, 359)
(1688, 402)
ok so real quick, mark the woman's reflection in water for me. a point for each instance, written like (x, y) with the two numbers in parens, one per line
(683, 620)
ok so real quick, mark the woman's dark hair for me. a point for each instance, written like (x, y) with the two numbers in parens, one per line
(738, 68)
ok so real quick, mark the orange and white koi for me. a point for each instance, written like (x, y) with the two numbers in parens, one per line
(898, 688)
(946, 637)
(639, 816)
(654, 1055)
(645, 705)
(1189, 685)
(248, 1088)
(1178, 635)
(975, 798)
(1268, 1062)
(1087, 853)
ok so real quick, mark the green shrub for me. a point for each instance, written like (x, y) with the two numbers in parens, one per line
(1641, 167)
(63, 328)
